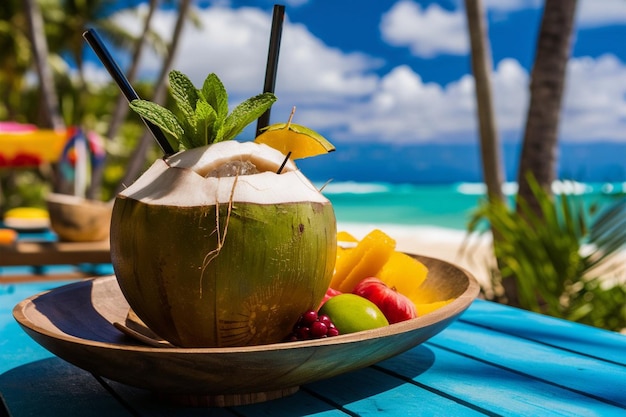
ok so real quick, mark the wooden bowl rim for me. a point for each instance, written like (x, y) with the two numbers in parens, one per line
(460, 304)
(74, 200)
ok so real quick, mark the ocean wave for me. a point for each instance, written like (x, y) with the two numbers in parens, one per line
(558, 187)
(353, 187)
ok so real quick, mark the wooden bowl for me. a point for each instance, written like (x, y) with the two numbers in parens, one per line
(75, 322)
(76, 219)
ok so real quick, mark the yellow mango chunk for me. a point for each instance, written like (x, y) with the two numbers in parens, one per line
(346, 237)
(362, 261)
(404, 273)
(426, 308)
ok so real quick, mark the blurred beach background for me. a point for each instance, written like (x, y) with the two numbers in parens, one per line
(432, 219)
(390, 86)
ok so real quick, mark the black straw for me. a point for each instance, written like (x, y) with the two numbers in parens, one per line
(282, 166)
(272, 61)
(93, 39)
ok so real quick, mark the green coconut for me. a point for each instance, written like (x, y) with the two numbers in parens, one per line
(212, 248)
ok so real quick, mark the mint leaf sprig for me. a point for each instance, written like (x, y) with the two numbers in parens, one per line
(201, 116)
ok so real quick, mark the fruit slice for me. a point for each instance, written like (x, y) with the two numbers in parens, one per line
(344, 236)
(362, 261)
(300, 141)
(404, 273)
(351, 313)
(425, 308)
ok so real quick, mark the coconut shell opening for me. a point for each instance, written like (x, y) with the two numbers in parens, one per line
(229, 159)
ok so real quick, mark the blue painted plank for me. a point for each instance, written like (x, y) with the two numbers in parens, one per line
(300, 403)
(369, 392)
(145, 403)
(16, 347)
(45, 388)
(494, 389)
(563, 368)
(599, 343)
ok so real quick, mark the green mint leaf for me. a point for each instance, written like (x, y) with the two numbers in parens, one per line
(206, 117)
(215, 94)
(161, 117)
(185, 95)
(245, 113)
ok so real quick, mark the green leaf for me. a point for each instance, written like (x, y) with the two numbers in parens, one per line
(201, 116)
(215, 94)
(245, 113)
(185, 94)
(206, 117)
(161, 117)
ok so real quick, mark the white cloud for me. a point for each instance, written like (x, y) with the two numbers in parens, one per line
(589, 13)
(595, 100)
(406, 110)
(427, 32)
(592, 13)
(338, 93)
(233, 43)
(511, 5)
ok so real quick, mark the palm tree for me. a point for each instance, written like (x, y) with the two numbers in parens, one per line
(539, 148)
(15, 56)
(121, 108)
(482, 67)
(50, 103)
(537, 160)
(138, 157)
(66, 20)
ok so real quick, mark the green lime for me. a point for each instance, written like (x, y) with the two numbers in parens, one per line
(352, 313)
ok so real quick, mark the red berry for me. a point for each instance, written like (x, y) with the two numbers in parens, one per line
(318, 329)
(323, 318)
(312, 326)
(332, 332)
(309, 317)
(303, 333)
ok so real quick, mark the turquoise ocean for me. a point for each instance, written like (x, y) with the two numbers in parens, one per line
(447, 206)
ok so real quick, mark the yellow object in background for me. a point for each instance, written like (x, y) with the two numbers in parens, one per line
(27, 218)
(26, 213)
(30, 148)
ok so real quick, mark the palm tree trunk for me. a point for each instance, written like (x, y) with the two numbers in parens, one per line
(121, 109)
(50, 104)
(489, 140)
(539, 147)
(138, 158)
(482, 67)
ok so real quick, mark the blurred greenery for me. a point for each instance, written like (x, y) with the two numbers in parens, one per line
(560, 259)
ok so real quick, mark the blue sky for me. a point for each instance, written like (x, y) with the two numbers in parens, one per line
(399, 71)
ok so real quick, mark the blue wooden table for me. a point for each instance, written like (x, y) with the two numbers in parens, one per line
(494, 360)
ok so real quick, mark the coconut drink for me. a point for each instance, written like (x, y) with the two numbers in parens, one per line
(224, 243)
